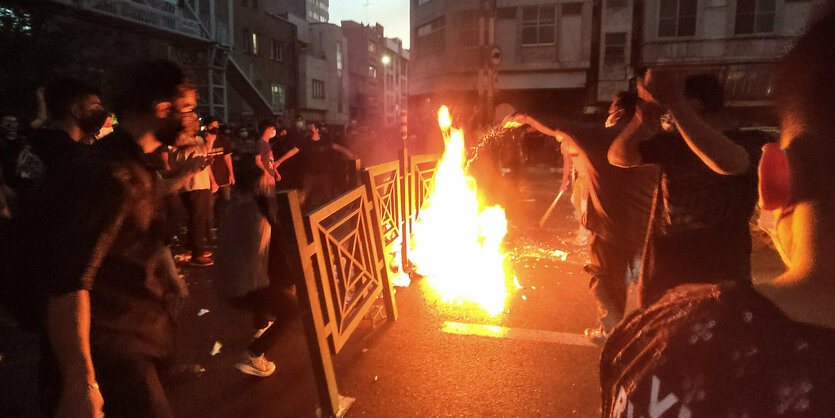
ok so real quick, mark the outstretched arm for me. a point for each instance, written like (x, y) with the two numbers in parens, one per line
(523, 119)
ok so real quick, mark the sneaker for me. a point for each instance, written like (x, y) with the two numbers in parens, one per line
(207, 253)
(597, 335)
(256, 366)
(261, 331)
(201, 261)
(182, 258)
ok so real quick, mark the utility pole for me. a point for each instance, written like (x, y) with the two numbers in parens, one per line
(366, 4)
(490, 59)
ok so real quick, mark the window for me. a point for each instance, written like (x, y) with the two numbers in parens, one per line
(538, 25)
(422, 2)
(339, 59)
(615, 52)
(677, 18)
(372, 71)
(318, 89)
(430, 37)
(468, 29)
(754, 16)
(277, 50)
(250, 42)
(279, 96)
(506, 13)
(612, 4)
(372, 47)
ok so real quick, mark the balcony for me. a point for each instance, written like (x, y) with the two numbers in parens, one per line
(162, 15)
(714, 51)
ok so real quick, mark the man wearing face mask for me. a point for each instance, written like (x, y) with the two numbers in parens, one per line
(102, 297)
(75, 116)
(732, 349)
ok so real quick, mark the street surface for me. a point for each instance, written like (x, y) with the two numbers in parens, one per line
(436, 360)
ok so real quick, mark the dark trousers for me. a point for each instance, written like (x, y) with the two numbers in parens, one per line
(197, 203)
(610, 265)
(274, 303)
(220, 199)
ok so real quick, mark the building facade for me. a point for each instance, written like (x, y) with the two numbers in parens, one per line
(323, 87)
(366, 89)
(476, 55)
(263, 71)
(310, 10)
(395, 66)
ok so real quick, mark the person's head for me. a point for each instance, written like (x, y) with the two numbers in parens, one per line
(158, 97)
(622, 108)
(704, 92)
(797, 182)
(8, 125)
(211, 124)
(267, 129)
(69, 100)
(313, 132)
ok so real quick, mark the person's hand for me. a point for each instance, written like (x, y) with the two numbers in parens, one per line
(515, 120)
(214, 188)
(39, 94)
(662, 87)
(80, 399)
(277, 177)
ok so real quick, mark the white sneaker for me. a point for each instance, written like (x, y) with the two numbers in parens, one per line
(261, 331)
(256, 366)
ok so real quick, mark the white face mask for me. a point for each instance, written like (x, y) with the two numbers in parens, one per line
(614, 118)
(768, 222)
(668, 124)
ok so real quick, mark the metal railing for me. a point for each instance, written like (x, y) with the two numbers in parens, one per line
(340, 256)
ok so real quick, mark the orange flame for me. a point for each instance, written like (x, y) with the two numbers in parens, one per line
(457, 245)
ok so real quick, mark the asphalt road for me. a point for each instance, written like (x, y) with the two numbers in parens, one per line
(436, 360)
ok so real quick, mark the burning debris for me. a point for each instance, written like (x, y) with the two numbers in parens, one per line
(458, 242)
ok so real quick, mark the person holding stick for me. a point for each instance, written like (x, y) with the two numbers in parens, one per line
(618, 206)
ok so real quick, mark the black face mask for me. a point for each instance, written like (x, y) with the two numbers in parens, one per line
(92, 121)
(211, 131)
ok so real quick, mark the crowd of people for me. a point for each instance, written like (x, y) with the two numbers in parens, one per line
(90, 204)
(669, 189)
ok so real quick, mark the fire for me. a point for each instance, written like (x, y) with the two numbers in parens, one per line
(457, 245)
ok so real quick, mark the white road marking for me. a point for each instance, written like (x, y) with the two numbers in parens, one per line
(517, 334)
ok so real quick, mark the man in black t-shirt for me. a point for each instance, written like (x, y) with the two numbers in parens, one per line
(618, 206)
(699, 229)
(736, 350)
(104, 294)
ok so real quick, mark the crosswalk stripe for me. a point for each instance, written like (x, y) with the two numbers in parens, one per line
(516, 334)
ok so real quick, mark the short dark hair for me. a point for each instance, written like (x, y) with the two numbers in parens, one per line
(627, 100)
(264, 125)
(61, 93)
(141, 85)
(706, 89)
(208, 119)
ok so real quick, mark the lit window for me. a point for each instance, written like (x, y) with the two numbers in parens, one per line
(539, 25)
(754, 16)
(372, 47)
(372, 71)
(677, 18)
(254, 44)
(279, 96)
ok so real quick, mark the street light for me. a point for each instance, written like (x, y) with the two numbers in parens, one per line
(386, 60)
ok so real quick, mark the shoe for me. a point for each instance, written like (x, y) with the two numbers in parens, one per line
(261, 331)
(201, 261)
(597, 335)
(207, 253)
(256, 366)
